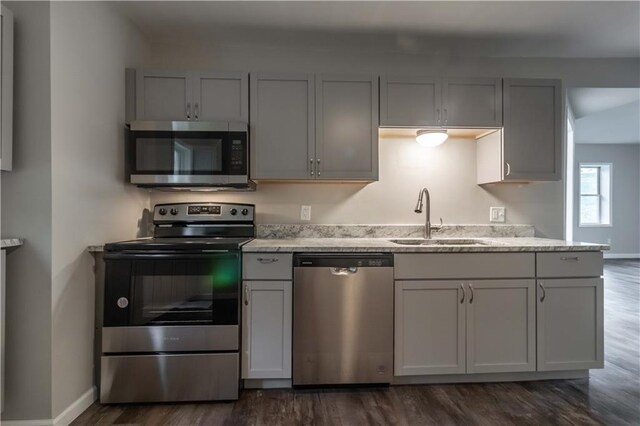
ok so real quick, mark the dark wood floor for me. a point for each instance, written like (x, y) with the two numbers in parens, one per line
(610, 396)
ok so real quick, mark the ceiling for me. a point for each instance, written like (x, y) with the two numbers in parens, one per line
(515, 28)
(586, 100)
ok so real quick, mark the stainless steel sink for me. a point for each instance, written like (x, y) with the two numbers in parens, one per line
(441, 242)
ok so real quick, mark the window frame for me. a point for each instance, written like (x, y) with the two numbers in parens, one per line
(599, 194)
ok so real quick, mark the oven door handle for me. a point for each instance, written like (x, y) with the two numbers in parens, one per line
(167, 255)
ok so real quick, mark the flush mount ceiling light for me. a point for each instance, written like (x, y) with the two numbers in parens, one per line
(431, 138)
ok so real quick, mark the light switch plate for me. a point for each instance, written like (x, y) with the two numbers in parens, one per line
(496, 214)
(305, 212)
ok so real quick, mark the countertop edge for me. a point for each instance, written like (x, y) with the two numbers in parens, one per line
(11, 242)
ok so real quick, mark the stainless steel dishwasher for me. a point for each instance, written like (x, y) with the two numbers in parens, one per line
(342, 319)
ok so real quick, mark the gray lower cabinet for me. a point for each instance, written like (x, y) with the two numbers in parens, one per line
(532, 146)
(501, 326)
(434, 101)
(347, 127)
(187, 95)
(570, 324)
(450, 327)
(282, 126)
(430, 323)
(266, 330)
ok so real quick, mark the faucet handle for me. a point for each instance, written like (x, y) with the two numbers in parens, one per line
(437, 226)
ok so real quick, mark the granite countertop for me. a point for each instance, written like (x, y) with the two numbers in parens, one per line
(517, 244)
(11, 242)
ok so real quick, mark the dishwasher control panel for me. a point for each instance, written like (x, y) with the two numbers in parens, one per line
(343, 260)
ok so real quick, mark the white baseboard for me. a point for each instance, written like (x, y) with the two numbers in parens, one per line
(66, 417)
(621, 255)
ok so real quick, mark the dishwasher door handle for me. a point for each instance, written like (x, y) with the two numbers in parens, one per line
(344, 271)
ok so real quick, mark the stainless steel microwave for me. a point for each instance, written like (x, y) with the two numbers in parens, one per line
(188, 154)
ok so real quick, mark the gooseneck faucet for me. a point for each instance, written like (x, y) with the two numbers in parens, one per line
(427, 226)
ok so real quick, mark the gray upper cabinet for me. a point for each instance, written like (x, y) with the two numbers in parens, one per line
(282, 126)
(446, 102)
(409, 101)
(186, 95)
(347, 127)
(220, 96)
(6, 89)
(472, 102)
(532, 130)
(163, 95)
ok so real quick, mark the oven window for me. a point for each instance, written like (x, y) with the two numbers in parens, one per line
(186, 292)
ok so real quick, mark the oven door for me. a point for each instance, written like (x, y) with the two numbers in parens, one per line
(171, 289)
(163, 157)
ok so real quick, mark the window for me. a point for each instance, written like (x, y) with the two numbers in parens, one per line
(595, 194)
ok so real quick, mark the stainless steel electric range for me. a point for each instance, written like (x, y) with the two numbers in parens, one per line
(171, 307)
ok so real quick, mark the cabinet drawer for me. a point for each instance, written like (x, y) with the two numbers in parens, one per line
(464, 265)
(267, 266)
(569, 264)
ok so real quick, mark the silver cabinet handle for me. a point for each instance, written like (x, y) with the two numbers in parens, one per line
(508, 168)
(246, 295)
(196, 111)
(438, 112)
(122, 302)
(471, 289)
(267, 260)
(463, 293)
(311, 165)
(544, 292)
(188, 111)
(318, 166)
(445, 116)
(570, 259)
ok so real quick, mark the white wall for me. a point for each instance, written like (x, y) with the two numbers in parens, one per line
(26, 213)
(456, 199)
(90, 48)
(624, 232)
(615, 125)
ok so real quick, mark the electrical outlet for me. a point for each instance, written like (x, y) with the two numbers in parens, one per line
(496, 214)
(305, 212)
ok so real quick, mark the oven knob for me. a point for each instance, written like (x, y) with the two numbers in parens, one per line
(162, 211)
(245, 212)
(122, 302)
(174, 211)
(233, 212)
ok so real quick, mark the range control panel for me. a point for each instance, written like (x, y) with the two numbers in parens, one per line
(203, 212)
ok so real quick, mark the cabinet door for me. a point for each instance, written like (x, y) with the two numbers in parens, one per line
(347, 127)
(429, 328)
(282, 126)
(472, 102)
(570, 324)
(266, 330)
(410, 101)
(501, 321)
(6, 88)
(221, 96)
(532, 130)
(163, 95)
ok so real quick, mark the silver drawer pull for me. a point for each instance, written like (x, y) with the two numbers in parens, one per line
(570, 259)
(344, 271)
(267, 260)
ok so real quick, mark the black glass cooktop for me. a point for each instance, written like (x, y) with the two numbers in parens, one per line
(177, 244)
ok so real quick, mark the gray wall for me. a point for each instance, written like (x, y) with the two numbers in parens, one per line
(624, 234)
(26, 212)
(456, 199)
(91, 46)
